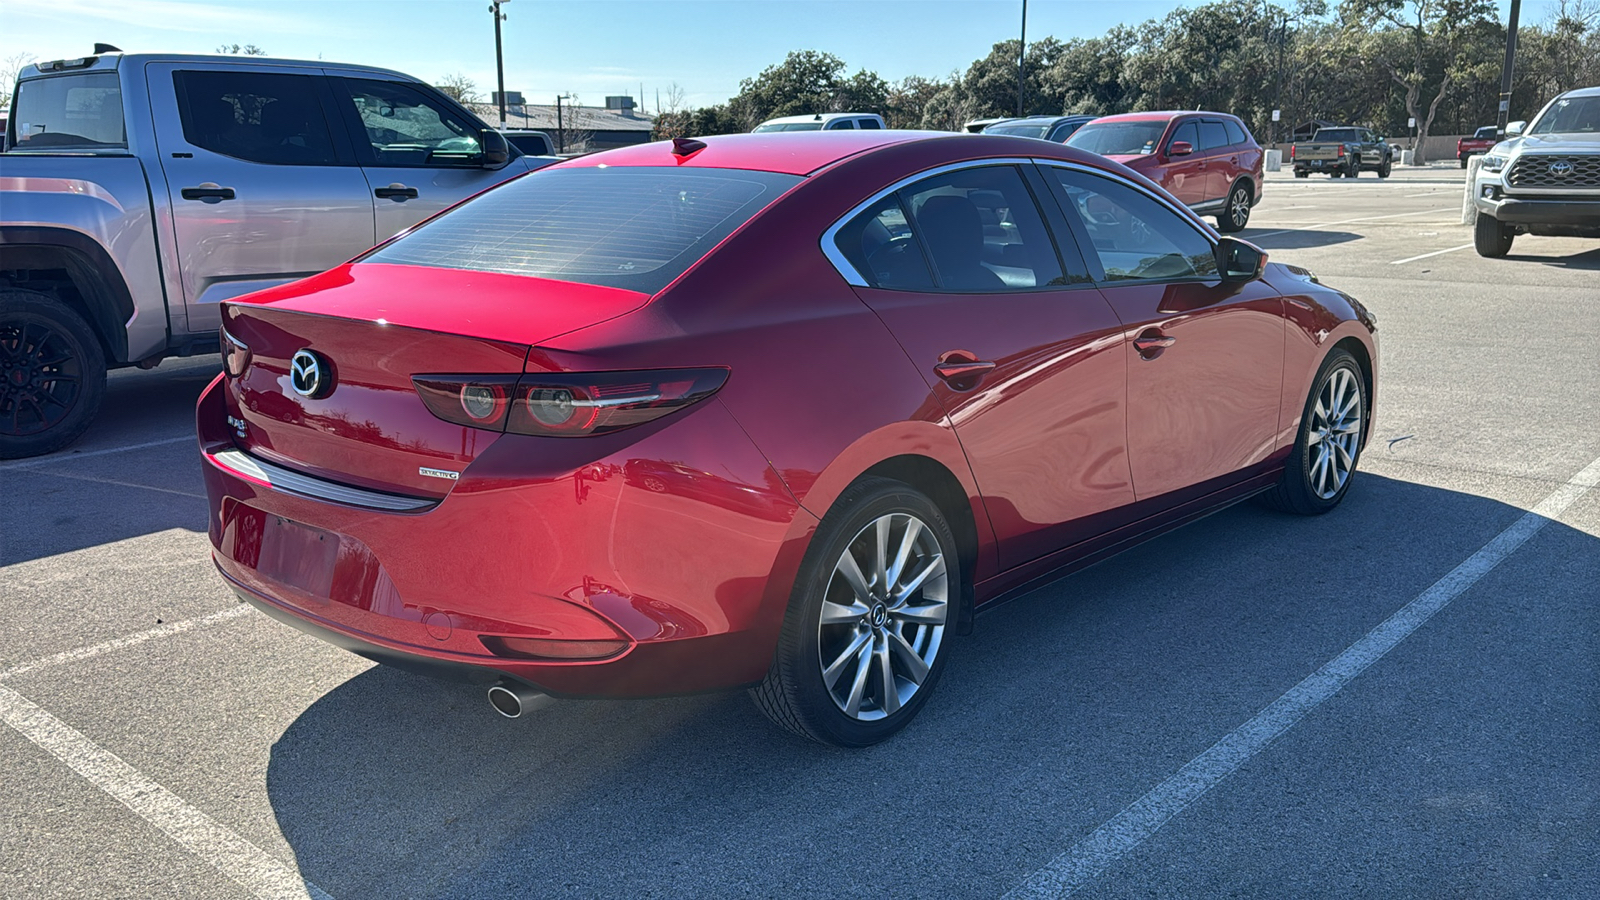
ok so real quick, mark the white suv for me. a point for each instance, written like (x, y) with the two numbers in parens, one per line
(822, 122)
(1544, 179)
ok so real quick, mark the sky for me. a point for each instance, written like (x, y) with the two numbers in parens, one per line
(591, 48)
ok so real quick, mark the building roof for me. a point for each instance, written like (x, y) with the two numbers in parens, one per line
(573, 118)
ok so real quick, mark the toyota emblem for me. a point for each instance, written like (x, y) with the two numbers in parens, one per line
(1561, 168)
(309, 374)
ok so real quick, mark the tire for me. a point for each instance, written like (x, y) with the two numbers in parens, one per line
(1463, 162)
(1336, 173)
(1300, 174)
(1355, 168)
(1235, 214)
(906, 634)
(1309, 486)
(52, 374)
(1490, 238)
(1386, 167)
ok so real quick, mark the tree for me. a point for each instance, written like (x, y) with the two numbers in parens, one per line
(8, 74)
(908, 100)
(459, 88)
(246, 50)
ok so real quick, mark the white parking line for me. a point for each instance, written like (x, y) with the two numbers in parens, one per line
(1085, 860)
(1430, 193)
(132, 640)
(1426, 255)
(147, 487)
(254, 869)
(65, 456)
(1348, 221)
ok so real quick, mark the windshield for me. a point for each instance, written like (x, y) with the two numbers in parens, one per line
(634, 228)
(1571, 115)
(1335, 134)
(1487, 131)
(69, 112)
(1021, 129)
(789, 126)
(1118, 138)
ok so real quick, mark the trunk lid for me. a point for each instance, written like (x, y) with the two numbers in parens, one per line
(370, 328)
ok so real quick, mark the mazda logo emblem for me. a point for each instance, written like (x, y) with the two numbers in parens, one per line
(309, 374)
(1562, 168)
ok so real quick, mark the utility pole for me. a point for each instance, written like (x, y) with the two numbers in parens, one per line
(1505, 72)
(1022, 54)
(499, 59)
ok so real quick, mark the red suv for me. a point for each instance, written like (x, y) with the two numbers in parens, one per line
(1206, 159)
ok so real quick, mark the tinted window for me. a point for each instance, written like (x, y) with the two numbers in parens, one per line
(69, 111)
(839, 124)
(1020, 129)
(1188, 131)
(1570, 115)
(1335, 135)
(1212, 135)
(1236, 133)
(1487, 131)
(869, 123)
(789, 126)
(255, 116)
(982, 231)
(634, 228)
(881, 247)
(1118, 138)
(1135, 237)
(531, 144)
(1064, 131)
(407, 127)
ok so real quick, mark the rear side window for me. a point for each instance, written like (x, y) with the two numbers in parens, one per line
(634, 228)
(255, 116)
(1236, 133)
(69, 112)
(1212, 135)
(870, 123)
(880, 245)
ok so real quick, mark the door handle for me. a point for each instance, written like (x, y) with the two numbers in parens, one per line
(396, 190)
(1152, 342)
(209, 190)
(961, 369)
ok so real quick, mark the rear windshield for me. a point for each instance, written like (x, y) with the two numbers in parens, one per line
(634, 228)
(1118, 138)
(1336, 134)
(1027, 129)
(69, 112)
(788, 126)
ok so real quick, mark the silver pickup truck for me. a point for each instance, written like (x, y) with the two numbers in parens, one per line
(139, 191)
(1544, 179)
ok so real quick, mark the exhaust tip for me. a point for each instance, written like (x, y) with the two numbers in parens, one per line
(512, 700)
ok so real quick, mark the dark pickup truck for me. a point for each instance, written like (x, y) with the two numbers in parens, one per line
(1342, 152)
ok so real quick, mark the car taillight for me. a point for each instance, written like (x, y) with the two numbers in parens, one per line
(565, 404)
(1341, 149)
(235, 355)
(1291, 151)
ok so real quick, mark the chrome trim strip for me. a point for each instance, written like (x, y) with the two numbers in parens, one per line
(830, 247)
(292, 482)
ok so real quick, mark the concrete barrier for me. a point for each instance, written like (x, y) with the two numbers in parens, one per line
(1407, 157)
(1273, 161)
(1469, 213)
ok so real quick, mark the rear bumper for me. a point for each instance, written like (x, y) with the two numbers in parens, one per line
(557, 540)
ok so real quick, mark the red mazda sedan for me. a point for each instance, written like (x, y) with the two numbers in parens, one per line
(772, 411)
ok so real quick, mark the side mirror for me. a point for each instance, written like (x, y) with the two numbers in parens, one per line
(1180, 148)
(1239, 261)
(1515, 128)
(495, 149)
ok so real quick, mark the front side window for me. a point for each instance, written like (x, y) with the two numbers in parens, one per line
(1135, 237)
(1118, 138)
(406, 127)
(869, 123)
(982, 231)
(69, 112)
(255, 116)
(839, 124)
(1188, 132)
(637, 228)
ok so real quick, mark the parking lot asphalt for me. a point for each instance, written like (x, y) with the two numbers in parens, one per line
(1401, 698)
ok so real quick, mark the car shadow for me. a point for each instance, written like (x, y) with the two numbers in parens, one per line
(1588, 260)
(1063, 705)
(1293, 239)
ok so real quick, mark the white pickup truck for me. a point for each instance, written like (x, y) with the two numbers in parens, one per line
(1543, 179)
(139, 191)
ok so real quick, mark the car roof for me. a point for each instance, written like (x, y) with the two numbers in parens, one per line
(1083, 116)
(1161, 116)
(817, 117)
(774, 151)
(1583, 92)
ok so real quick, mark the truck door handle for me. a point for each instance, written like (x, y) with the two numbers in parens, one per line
(1152, 342)
(396, 190)
(209, 190)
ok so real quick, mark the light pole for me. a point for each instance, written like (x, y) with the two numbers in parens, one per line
(499, 61)
(1505, 71)
(1022, 55)
(561, 129)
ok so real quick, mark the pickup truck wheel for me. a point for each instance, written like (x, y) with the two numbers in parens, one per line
(1463, 162)
(1355, 168)
(1301, 174)
(1383, 170)
(1491, 238)
(1236, 215)
(52, 374)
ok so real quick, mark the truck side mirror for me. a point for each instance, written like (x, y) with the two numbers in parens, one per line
(1515, 128)
(495, 149)
(1180, 148)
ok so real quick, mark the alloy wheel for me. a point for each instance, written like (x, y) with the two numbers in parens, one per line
(883, 617)
(1239, 207)
(1333, 433)
(40, 378)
